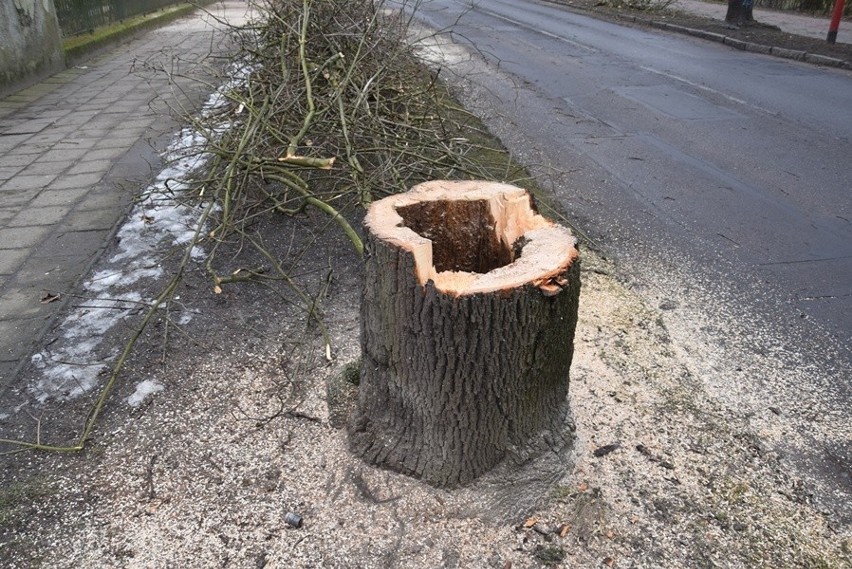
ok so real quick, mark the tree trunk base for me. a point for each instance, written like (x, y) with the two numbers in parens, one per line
(467, 326)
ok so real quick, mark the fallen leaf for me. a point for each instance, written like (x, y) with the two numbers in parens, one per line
(50, 297)
(147, 219)
(530, 522)
(564, 529)
(609, 561)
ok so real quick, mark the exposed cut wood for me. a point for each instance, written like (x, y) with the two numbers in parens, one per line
(464, 236)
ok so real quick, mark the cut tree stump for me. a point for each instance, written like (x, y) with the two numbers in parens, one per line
(467, 329)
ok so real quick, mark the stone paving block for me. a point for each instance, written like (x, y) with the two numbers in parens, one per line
(7, 172)
(100, 123)
(51, 113)
(37, 91)
(72, 243)
(7, 106)
(27, 182)
(26, 148)
(106, 101)
(89, 107)
(32, 126)
(63, 154)
(17, 237)
(119, 140)
(9, 142)
(11, 260)
(55, 274)
(20, 97)
(49, 138)
(138, 123)
(38, 216)
(75, 141)
(15, 200)
(128, 134)
(106, 153)
(140, 99)
(59, 197)
(76, 181)
(87, 219)
(90, 166)
(16, 337)
(66, 75)
(39, 167)
(132, 108)
(76, 118)
(97, 134)
(105, 199)
(11, 159)
(22, 302)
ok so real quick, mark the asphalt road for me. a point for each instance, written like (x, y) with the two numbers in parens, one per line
(732, 165)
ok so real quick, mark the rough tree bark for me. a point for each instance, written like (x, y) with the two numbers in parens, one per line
(740, 12)
(467, 328)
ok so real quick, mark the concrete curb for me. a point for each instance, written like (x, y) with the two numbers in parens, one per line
(720, 38)
(745, 45)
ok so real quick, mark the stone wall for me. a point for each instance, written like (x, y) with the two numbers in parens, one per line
(30, 43)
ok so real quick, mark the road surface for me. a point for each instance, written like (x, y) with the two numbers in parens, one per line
(737, 163)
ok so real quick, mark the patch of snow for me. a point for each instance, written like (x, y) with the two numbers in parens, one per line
(143, 390)
(185, 317)
(157, 221)
(440, 51)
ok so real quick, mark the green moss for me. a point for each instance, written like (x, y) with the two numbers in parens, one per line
(342, 393)
(549, 555)
(352, 373)
(17, 496)
(77, 47)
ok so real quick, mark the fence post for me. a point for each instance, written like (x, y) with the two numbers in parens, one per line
(835, 21)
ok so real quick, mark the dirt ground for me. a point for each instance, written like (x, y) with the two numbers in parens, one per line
(243, 421)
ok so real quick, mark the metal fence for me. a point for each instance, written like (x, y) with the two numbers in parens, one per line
(82, 16)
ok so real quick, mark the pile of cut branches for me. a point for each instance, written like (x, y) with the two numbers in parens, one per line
(336, 111)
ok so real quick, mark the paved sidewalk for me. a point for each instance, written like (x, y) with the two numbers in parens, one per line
(74, 152)
(797, 24)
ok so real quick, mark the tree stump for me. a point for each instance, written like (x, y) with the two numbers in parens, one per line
(467, 329)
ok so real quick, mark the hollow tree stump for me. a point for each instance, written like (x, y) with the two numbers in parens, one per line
(467, 329)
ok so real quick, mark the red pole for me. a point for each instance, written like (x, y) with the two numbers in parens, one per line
(835, 21)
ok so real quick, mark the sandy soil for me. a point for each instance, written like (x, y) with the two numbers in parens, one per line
(249, 426)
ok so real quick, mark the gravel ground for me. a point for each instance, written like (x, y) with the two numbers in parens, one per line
(675, 463)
